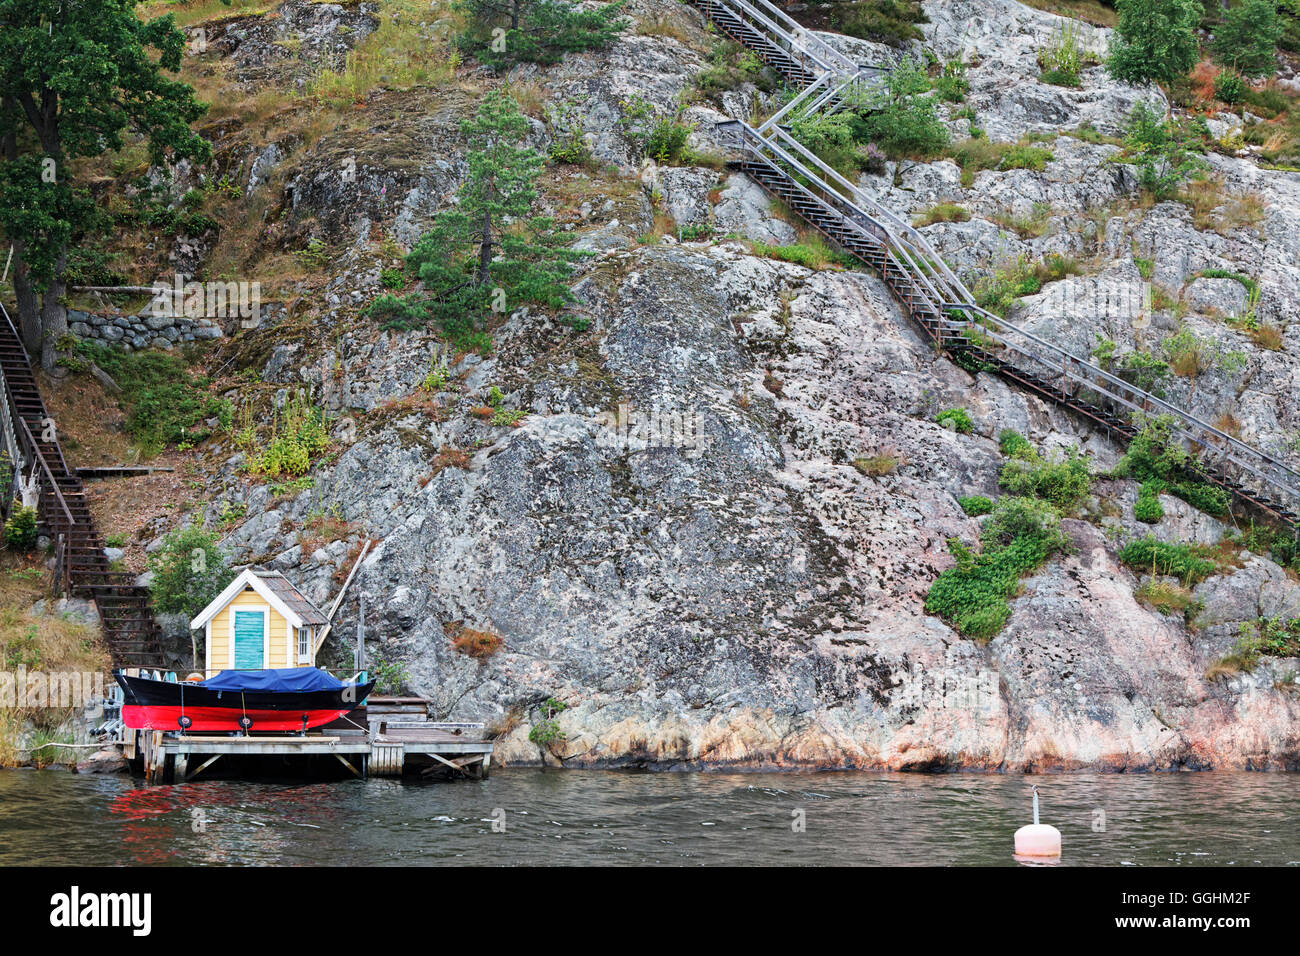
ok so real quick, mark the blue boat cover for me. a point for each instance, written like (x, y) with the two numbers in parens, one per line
(285, 680)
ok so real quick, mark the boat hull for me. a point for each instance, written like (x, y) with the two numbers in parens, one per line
(166, 705)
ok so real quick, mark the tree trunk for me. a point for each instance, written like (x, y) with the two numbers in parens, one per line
(54, 314)
(29, 316)
(485, 251)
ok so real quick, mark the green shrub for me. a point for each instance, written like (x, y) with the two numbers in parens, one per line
(667, 141)
(189, 570)
(1190, 563)
(390, 676)
(1025, 157)
(547, 729)
(1155, 456)
(998, 291)
(299, 437)
(1279, 544)
(164, 403)
(1061, 60)
(1162, 149)
(1013, 444)
(883, 21)
(975, 505)
(1148, 508)
(397, 313)
(1144, 371)
(830, 137)
(569, 146)
(952, 85)
(1018, 538)
(731, 66)
(959, 417)
(902, 119)
(1229, 87)
(534, 31)
(1063, 483)
(20, 529)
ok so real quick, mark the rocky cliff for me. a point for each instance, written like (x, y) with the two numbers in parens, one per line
(674, 543)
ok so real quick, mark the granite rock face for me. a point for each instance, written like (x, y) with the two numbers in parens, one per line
(712, 583)
(674, 542)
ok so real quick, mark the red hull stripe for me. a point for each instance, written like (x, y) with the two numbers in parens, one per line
(140, 717)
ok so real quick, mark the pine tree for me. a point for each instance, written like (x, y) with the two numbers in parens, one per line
(1154, 40)
(535, 31)
(489, 253)
(75, 75)
(1247, 38)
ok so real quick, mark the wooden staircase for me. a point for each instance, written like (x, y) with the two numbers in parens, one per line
(932, 295)
(81, 568)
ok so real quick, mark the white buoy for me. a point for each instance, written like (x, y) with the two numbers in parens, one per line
(1038, 840)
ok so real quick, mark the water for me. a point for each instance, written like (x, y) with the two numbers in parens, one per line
(576, 817)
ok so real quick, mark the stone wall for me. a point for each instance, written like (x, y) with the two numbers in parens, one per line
(143, 330)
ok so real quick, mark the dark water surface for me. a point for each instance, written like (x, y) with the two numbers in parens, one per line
(576, 817)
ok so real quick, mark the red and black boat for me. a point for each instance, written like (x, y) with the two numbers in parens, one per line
(284, 699)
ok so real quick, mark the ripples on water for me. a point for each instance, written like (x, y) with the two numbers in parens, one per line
(579, 817)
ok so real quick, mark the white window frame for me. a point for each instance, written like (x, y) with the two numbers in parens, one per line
(303, 637)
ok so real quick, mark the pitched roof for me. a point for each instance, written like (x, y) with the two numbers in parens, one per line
(276, 589)
(290, 595)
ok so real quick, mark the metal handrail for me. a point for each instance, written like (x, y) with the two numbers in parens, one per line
(45, 467)
(795, 103)
(934, 279)
(859, 215)
(33, 449)
(1140, 400)
(778, 36)
(796, 29)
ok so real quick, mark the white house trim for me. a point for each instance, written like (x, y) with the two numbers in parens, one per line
(265, 611)
(246, 579)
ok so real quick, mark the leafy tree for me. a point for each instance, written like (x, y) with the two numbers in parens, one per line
(189, 570)
(75, 76)
(903, 119)
(535, 31)
(488, 253)
(1247, 37)
(1154, 40)
(1162, 149)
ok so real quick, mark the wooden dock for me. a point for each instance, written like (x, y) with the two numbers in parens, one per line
(388, 737)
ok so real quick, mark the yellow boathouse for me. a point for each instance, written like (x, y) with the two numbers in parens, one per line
(259, 621)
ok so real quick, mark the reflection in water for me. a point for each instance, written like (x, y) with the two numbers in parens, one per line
(54, 817)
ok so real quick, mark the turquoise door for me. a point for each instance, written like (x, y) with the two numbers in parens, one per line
(248, 628)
